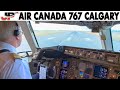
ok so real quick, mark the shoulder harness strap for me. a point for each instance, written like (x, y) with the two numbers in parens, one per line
(4, 50)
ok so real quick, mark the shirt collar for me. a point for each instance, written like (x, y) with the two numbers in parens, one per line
(8, 46)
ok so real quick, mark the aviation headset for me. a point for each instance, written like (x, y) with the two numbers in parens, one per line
(17, 31)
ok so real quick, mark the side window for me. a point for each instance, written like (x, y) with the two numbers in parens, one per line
(115, 31)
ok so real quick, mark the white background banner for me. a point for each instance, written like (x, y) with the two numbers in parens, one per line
(59, 15)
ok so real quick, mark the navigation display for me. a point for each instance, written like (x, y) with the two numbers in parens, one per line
(100, 72)
(63, 71)
(63, 74)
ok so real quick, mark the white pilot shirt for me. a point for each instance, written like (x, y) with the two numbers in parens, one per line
(14, 70)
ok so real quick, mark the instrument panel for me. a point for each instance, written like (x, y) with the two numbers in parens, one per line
(80, 69)
(86, 64)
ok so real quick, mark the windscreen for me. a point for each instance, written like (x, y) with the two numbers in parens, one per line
(52, 34)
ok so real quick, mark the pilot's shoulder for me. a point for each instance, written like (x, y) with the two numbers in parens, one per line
(16, 56)
(9, 56)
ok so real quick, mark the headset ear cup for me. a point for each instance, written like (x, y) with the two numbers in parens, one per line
(16, 32)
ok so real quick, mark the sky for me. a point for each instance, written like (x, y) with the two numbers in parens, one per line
(116, 27)
(53, 26)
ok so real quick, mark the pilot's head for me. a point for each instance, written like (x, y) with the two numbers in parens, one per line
(11, 33)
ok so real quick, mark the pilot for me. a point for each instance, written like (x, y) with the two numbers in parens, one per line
(11, 65)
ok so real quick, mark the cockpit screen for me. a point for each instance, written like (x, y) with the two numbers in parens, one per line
(100, 72)
(81, 74)
(63, 71)
(65, 64)
(63, 74)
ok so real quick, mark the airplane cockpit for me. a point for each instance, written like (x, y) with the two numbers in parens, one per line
(72, 49)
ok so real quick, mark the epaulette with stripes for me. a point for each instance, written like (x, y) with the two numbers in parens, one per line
(11, 55)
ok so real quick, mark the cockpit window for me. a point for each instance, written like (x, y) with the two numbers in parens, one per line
(51, 34)
(115, 31)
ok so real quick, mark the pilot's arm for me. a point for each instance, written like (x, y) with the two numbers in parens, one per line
(20, 70)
